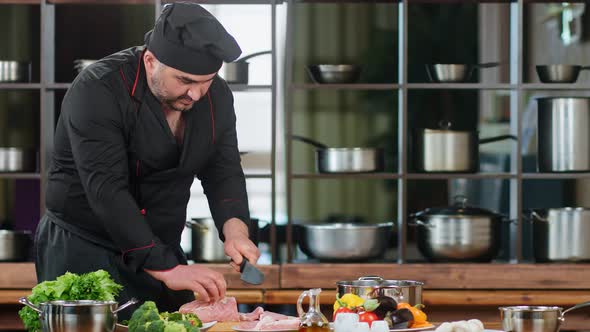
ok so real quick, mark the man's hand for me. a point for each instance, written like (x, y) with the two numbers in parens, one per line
(238, 244)
(210, 285)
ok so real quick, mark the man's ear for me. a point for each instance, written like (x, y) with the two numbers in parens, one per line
(150, 61)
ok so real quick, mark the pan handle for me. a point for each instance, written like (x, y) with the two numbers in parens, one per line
(487, 65)
(249, 56)
(131, 302)
(309, 141)
(25, 301)
(497, 138)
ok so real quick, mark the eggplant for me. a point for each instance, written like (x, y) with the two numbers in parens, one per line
(386, 304)
(399, 319)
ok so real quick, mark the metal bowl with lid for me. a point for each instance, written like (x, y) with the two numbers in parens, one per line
(535, 318)
(458, 233)
(370, 287)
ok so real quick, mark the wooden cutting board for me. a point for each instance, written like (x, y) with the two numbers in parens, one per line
(223, 327)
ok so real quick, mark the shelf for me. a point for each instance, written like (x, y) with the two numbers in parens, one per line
(246, 87)
(347, 175)
(20, 175)
(19, 86)
(556, 86)
(230, 2)
(360, 86)
(556, 176)
(20, 2)
(258, 176)
(444, 176)
(58, 86)
(102, 2)
(461, 86)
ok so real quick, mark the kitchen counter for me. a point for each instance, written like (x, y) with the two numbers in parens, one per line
(452, 291)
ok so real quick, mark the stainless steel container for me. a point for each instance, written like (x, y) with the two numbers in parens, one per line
(370, 287)
(15, 71)
(453, 72)
(563, 135)
(237, 72)
(77, 316)
(345, 160)
(561, 234)
(458, 233)
(534, 318)
(559, 73)
(445, 150)
(18, 160)
(334, 74)
(14, 245)
(344, 241)
(206, 245)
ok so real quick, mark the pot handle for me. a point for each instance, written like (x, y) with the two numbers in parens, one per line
(497, 138)
(577, 306)
(417, 222)
(536, 216)
(127, 304)
(192, 223)
(25, 301)
(310, 74)
(487, 65)
(310, 141)
(369, 278)
(249, 56)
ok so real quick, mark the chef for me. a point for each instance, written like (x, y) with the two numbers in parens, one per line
(135, 129)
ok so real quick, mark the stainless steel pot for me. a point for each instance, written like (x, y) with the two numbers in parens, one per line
(344, 241)
(563, 142)
(559, 73)
(454, 73)
(458, 233)
(237, 72)
(445, 150)
(561, 234)
(345, 160)
(14, 245)
(205, 243)
(77, 316)
(334, 74)
(15, 71)
(370, 287)
(18, 160)
(534, 318)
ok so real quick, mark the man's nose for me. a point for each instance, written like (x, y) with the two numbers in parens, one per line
(194, 93)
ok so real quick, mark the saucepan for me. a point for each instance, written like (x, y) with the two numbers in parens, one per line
(14, 245)
(334, 73)
(77, 316)
(15, 71)
(345, 160)
(454, 73)
(237, 72)
(535, 318)
(559, 73)
(13, 159)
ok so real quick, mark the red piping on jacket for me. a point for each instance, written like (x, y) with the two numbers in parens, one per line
(212, 115)
(230, 200)
(151, 245)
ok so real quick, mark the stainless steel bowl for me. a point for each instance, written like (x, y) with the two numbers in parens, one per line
(15, 71)
(454, 72)
(14, 245)
(77, 316)
(344, 241)
(370, 287)
(559, 73)
(18, 160)
(335, 74)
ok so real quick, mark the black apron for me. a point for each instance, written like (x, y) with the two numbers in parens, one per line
(63, 247)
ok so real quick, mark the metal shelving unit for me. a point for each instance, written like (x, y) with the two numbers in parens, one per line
(516, 89)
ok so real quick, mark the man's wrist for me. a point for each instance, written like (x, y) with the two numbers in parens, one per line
(234, 227)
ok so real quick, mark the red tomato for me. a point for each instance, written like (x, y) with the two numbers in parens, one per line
(368, 317)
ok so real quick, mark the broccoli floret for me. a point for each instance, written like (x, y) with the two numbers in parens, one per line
(171, 316)
(147, 312)
(193, 320)
(179, 327)
(157, 326)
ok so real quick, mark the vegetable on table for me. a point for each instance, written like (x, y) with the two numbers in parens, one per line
(147, 319)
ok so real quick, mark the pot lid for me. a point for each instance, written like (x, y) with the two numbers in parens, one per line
(460, 207)
(376, 281)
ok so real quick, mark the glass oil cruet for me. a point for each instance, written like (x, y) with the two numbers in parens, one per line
(313, 320)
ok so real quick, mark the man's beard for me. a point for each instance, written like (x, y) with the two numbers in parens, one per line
(170, 103)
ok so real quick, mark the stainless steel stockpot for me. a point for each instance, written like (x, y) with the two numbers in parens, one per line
(458, 233)
(14, 159)
(15, 71)
(445, 150)
(534, 318)
(563, 142)
(237, 72)
(77, 316)
(344, 241)
(561, 234)
(14, 245)
(370, 287)
(345, 160)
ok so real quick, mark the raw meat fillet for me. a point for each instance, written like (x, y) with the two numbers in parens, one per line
(252, 316)
(225, 310)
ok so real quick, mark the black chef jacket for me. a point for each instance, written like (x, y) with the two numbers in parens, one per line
(120, 181)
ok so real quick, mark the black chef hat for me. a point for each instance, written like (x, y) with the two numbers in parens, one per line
(188, 38)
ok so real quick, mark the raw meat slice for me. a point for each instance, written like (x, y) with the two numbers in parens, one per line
(225, 310)
(252, 316)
